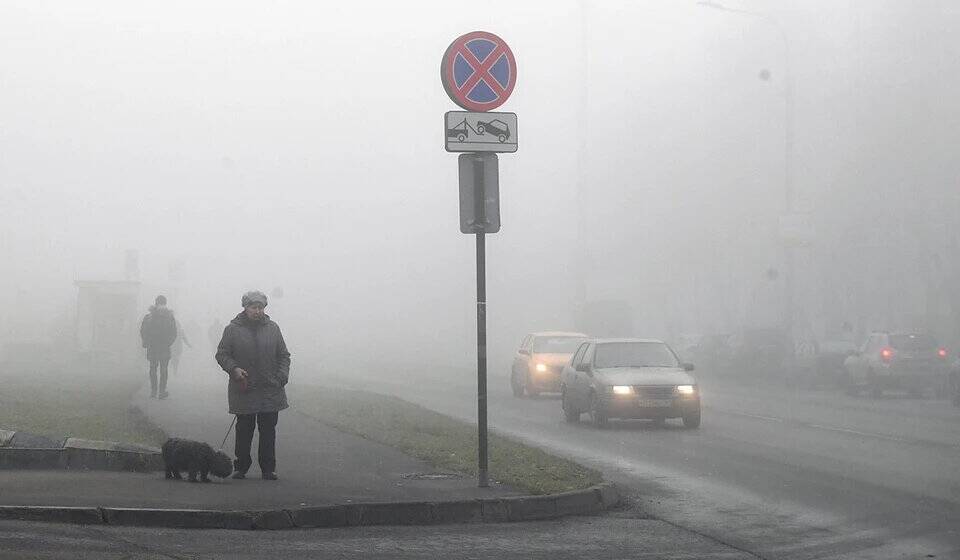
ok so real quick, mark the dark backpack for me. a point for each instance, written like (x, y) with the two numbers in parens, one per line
(158, 330)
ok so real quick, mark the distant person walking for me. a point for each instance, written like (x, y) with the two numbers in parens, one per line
(158, 331)
(253, 353)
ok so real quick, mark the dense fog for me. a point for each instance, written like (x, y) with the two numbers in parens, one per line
(207, 149)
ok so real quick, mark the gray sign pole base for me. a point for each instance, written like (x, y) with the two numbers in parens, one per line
(483, 480)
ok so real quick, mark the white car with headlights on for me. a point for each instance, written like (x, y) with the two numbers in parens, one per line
(629, 378)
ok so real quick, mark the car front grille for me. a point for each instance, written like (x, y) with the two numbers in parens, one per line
(655, 391)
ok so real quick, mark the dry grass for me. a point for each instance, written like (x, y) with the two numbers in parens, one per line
(92, 406)
(447, 443)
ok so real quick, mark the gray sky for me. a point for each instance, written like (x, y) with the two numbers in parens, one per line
(299, 145)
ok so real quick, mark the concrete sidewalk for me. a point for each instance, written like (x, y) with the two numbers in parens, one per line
(317, 465)
(327, 479)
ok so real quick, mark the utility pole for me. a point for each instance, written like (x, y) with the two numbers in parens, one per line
(789, 256)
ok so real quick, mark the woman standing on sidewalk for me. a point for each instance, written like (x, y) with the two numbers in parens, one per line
(253, 353)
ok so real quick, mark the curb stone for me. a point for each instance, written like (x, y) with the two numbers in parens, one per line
(75, 515)
(30, 458)
(396, 513)
(532, 507)
(35, 441)
(178, 518)
(572, 503)
(514, 508)
(464, 511)
(19, 450)
(321, 516)
(272, 520)
(609, 495)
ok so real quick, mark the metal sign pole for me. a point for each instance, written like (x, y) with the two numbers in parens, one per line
(480, 206)
(483, 480)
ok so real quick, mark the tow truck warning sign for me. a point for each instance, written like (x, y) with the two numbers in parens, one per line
(480, 132)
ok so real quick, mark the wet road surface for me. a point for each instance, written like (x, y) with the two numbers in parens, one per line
(776, 472)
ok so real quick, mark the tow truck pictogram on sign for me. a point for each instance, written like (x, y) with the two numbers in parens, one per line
(480, 132)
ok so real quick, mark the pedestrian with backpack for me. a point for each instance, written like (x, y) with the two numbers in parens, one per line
(158, 331)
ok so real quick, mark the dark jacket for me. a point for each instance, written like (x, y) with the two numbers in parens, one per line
(158, 330)
(258, 348)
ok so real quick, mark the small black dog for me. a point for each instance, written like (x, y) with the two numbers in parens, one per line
(194, 457)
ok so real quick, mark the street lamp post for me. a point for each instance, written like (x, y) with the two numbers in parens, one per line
(581, 251)
(788, 122)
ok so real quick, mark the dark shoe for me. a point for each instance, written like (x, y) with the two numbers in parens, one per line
(163, 395)
(153, 394)
(269, 476)
(239, 475)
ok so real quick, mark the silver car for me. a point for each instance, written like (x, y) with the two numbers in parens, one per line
(629, 378)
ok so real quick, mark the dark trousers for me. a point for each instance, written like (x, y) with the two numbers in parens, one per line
(266, 422)
(163, 364)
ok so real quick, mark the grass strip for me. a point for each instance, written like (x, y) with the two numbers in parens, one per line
(446, 443)
(89, 406)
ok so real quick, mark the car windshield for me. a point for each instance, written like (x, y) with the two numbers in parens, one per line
(634, 354)
(912, 342)
(557, 344)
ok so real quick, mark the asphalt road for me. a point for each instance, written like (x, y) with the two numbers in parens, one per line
(775, 472)
(612, 536)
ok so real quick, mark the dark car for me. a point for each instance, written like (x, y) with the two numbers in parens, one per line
(497, 128)
(910, 362)
(629, 378)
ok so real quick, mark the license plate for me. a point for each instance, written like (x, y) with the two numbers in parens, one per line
(655, 403)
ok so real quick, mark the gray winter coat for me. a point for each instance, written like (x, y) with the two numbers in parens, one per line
(258, 348)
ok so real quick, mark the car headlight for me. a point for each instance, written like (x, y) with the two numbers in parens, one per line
(541, 368)
(622, 390)
(685, 389)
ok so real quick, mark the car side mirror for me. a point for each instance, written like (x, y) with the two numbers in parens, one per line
(584, 367)
(688, 367)
(525, 352)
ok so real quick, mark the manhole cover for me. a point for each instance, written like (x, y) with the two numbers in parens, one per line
(429, 476)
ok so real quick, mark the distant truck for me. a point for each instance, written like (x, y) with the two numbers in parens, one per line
(460, 131)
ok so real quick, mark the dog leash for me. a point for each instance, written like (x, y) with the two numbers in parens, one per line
(225, 436)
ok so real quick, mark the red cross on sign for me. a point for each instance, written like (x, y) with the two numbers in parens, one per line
(478, 71)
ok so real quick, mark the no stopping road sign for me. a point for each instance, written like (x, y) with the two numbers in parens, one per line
(478, 71)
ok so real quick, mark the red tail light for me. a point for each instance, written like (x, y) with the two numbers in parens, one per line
(942, 352)
(886, 354)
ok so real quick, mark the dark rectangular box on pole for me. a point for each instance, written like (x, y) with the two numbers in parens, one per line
(479, 193)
